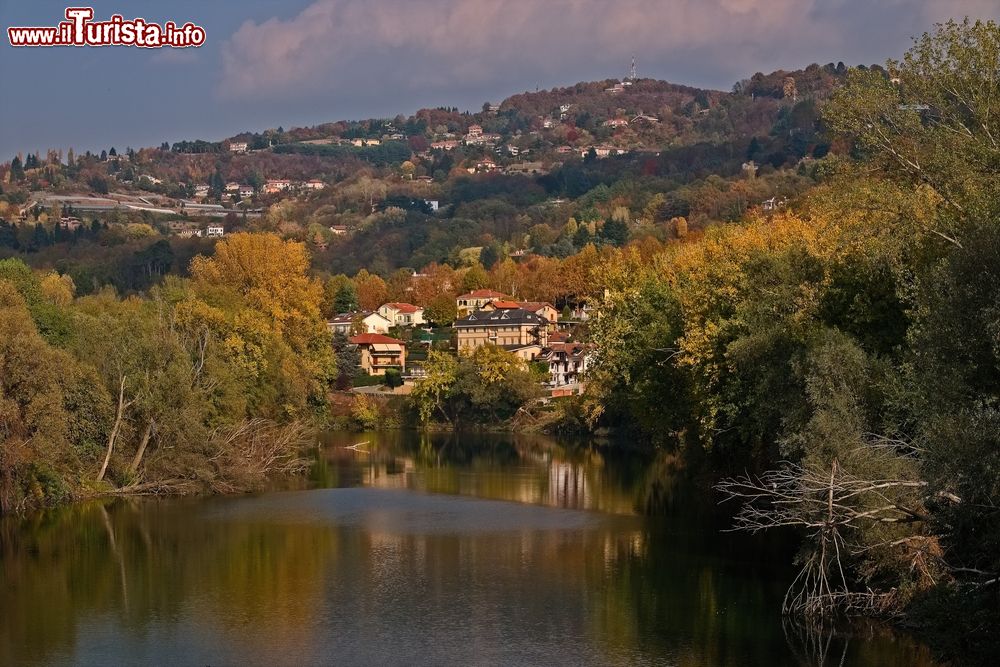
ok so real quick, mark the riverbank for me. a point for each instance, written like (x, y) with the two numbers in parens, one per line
(503, 547)
(239, 459)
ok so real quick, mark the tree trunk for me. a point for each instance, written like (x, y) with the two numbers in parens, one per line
(114, 429)
(137, 459)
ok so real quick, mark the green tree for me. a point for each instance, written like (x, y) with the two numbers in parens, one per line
(442, 310)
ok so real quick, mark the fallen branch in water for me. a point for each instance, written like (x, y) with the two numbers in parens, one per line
(255, 449)
(829, 505)
(355, 447)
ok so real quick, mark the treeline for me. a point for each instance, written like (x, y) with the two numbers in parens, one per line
(847, 355)
(180, 390)
(385, 154)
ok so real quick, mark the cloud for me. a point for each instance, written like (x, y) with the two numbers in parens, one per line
(362, 46)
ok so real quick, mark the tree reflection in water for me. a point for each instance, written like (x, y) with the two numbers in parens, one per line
(424, 555)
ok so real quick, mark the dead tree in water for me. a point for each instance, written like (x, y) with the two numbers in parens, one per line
(832, 506)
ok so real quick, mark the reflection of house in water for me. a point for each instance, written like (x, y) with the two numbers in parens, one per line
(568, 485)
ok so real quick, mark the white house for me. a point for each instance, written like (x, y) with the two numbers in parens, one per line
(276, 185)
(402, 314)
(246, 191)
(568, 362)
(368, 322)
(215, 231)
(238, 147)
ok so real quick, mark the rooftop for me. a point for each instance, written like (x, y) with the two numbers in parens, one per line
(373, 339)
(502, 317)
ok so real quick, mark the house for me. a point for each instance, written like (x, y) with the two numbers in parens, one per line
(548, 123)
(447, 145)
(543, 309)
(276, 185)
(644, 119)
(71, 223)
(238, 146)
(773, 204)
(402, 314)
(501, 304)
(558, 337)
(476, 299)
(580, 312)
(380, 353)
(526, 168)
(616, 122)
(338, 230)
(615, 89)
(246, 191)
(314, 184)
(486, 164)
(201, 191)
(434, 204)
(232, 186)
(568, 362)
(475, 131)
(215, 231)
(367, 321)
(512, 329)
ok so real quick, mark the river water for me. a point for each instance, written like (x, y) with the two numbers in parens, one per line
(468, 550)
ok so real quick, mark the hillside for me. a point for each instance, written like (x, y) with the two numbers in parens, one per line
(404, 192)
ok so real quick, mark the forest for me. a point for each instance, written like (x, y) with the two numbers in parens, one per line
(841, 361)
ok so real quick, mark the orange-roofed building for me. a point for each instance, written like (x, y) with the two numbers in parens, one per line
(402, 314)
(380, 353)
(501, 304)
(476, 299)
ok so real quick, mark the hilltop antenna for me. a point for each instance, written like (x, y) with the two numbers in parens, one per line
(631, 73)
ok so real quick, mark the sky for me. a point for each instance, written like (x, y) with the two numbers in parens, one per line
(270, 63)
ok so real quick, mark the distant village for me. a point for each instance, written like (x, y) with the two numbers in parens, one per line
(531, 331)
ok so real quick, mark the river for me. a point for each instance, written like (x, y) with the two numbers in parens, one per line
(417, 549)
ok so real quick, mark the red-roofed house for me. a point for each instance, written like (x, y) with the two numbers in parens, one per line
(367, 322)
(476, 299)
(402, 314)
(379, 353)
(542, 309)
(501, 304)
(568, 362)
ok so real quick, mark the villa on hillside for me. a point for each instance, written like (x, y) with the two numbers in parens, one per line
(543, 309)
(568, 362)
(476, 299)
(380, 353)
(367, 321)
(402, 314)
(276, 185)
(516, 330)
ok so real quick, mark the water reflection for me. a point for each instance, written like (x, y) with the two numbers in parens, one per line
(411, 553)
